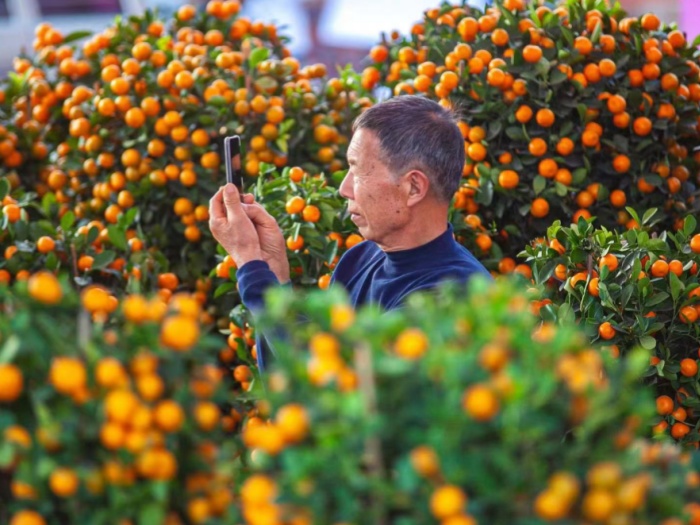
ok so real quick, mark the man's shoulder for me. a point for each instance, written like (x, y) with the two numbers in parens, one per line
(460, 264)
(355, 259)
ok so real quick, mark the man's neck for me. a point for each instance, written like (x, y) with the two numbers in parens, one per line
(428, 225)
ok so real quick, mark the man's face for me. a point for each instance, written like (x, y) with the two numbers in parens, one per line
(376, 200)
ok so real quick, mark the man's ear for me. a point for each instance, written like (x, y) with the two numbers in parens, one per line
(418, 186)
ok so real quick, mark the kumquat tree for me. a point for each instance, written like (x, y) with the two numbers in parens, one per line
(567, 391)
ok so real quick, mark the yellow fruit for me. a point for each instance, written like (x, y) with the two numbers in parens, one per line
(12, 383)
(63, 482)
(411, 344)
(45, 288)
(447, 501)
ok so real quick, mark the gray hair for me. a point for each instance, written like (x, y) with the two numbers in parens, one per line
(415, 132)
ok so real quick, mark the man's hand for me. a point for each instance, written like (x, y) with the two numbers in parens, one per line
(274, 247)
(247, 232)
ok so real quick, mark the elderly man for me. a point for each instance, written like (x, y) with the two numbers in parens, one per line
(405, 163)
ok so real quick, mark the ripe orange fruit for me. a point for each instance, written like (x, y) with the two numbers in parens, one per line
(294, 205)
(179, 332)
(650, 22)
(545, 117)
(616, 104)
(618, 198)
(480, 402)
(476, 151)
(695, 243)
(523, 114)
(659, 268)
(539, 208)
(537, 147)
(67, 375)
(27, 517)
(44, 287)
(294, 244)
(168, 415)
(324, 281)
(352, 240)
(598, 505)
(606, 330)
(565, 146)
(679, 430)
(688, 315)
(590, 138)
(293, 422)
(689, 367)
(583, 45)
(45, 244)
(425, 461)
(593, 287)
(642, 126)
(664, 405)
(621, 163)
(311, 213)
(411, 344)
(548, 168)
(610, 261)
(207, 415)
(447, 501)
(532, 53)
(508, 179)
(63, 482)
(96, 299)
(12, 382)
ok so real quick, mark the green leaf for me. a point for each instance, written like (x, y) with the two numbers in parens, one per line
(76, 35)
(9, 349)
(258, 55)
(485, 193)
(647, 342)
(648, 215)
(151, 513)
(689, 225)
(4, 188)
(67, 220)
(117, 237)
(539, 184)
(103, 259)
(677, 286)
(223, 288)
(655, 299)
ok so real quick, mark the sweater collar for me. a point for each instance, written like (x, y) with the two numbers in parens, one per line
(417, 257)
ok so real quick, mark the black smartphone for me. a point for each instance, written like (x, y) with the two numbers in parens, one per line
(232, 152)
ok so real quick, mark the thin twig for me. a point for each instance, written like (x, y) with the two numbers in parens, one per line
(373, 446)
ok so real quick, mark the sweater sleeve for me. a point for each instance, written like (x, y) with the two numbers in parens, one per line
(254, 278)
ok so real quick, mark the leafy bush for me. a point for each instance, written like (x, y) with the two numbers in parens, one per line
(569, 110)
(126, 130)
(627, 290)
(422, 414)
(129, 417)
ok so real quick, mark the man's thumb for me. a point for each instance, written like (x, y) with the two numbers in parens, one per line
(231, 193)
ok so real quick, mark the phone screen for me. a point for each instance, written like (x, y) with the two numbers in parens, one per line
(232, 152)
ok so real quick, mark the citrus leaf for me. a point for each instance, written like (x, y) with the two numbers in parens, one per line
(76, 35)
(67, 220)
(647, 342)
(117, 237)
(4, 188)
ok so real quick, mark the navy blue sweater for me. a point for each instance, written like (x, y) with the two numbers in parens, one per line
(371, 275)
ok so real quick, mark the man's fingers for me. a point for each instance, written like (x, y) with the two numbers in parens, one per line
(232, 201)
(259, 215)
(216, 206)
(248, 198)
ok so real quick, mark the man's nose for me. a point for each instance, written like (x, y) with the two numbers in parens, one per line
(345, 189)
